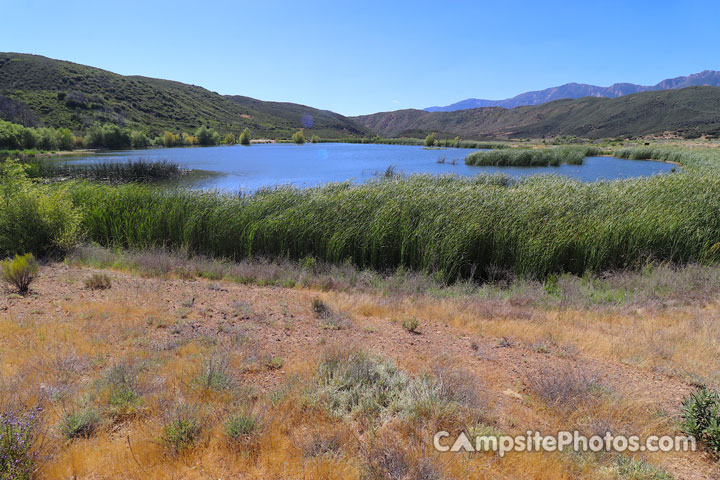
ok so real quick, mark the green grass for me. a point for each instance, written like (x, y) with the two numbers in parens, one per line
(532, 158)
(455, 227)
(138, 170)
(448, 226)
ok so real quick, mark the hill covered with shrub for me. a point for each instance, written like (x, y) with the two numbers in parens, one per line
(39, 91)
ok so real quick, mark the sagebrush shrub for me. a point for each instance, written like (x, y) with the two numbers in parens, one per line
(564, 388)
(321, 308)
(80, 424)
(20, 271)
(98, 281)
(181, 433)
(632, 469)
(241, 426)
(215, 374)
(411, 324)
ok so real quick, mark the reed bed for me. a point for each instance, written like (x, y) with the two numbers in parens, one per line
(113, 172)
(532, 157)
(688, 158)
(454, 227)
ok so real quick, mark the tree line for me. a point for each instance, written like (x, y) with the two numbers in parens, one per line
(17, 137)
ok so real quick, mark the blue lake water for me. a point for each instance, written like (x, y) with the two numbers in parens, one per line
(249, 168)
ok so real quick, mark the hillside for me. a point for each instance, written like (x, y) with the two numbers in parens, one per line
(689, 112)
(578, 90)
(36, 90)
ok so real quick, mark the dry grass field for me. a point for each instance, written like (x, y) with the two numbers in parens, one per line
(147, 374)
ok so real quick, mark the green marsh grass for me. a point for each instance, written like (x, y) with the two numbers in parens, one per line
(532, 157)
(454, 227)
(138, 170)
(448, 226)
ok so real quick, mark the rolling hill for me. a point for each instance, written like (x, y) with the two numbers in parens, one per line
(689, 112)
(36, 90)
(578, 90)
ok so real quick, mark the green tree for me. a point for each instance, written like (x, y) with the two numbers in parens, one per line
(298, 137)
(229, 139)
(314, 139)
(11, 135)
(207, 136)
(169, 139)
(66, 141)
(47, 139)
(457, 142)
(30, 138)
(430, 140)
(139, 139)
(245, 137)
(115, 138)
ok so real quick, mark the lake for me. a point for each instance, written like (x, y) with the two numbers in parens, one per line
(249, 168)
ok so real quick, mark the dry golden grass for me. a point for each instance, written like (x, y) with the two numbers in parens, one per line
(59, 348)
(674, 341)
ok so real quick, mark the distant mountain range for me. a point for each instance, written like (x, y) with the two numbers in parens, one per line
(690, 112)
(579, 90)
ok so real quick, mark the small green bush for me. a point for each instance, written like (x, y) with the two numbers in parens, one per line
(411, 324)
(241, 426)
(98, 281)
(214, 374)
(124, 403)
(80, 424)
(274, 363)
(314, 139)
(320, 308)
(627, 468)
(182, 433)
(701, 418)
(19, 271)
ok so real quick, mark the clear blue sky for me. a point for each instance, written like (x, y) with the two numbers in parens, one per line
(368, 56)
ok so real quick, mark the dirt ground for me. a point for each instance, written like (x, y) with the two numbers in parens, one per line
(141, 315)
